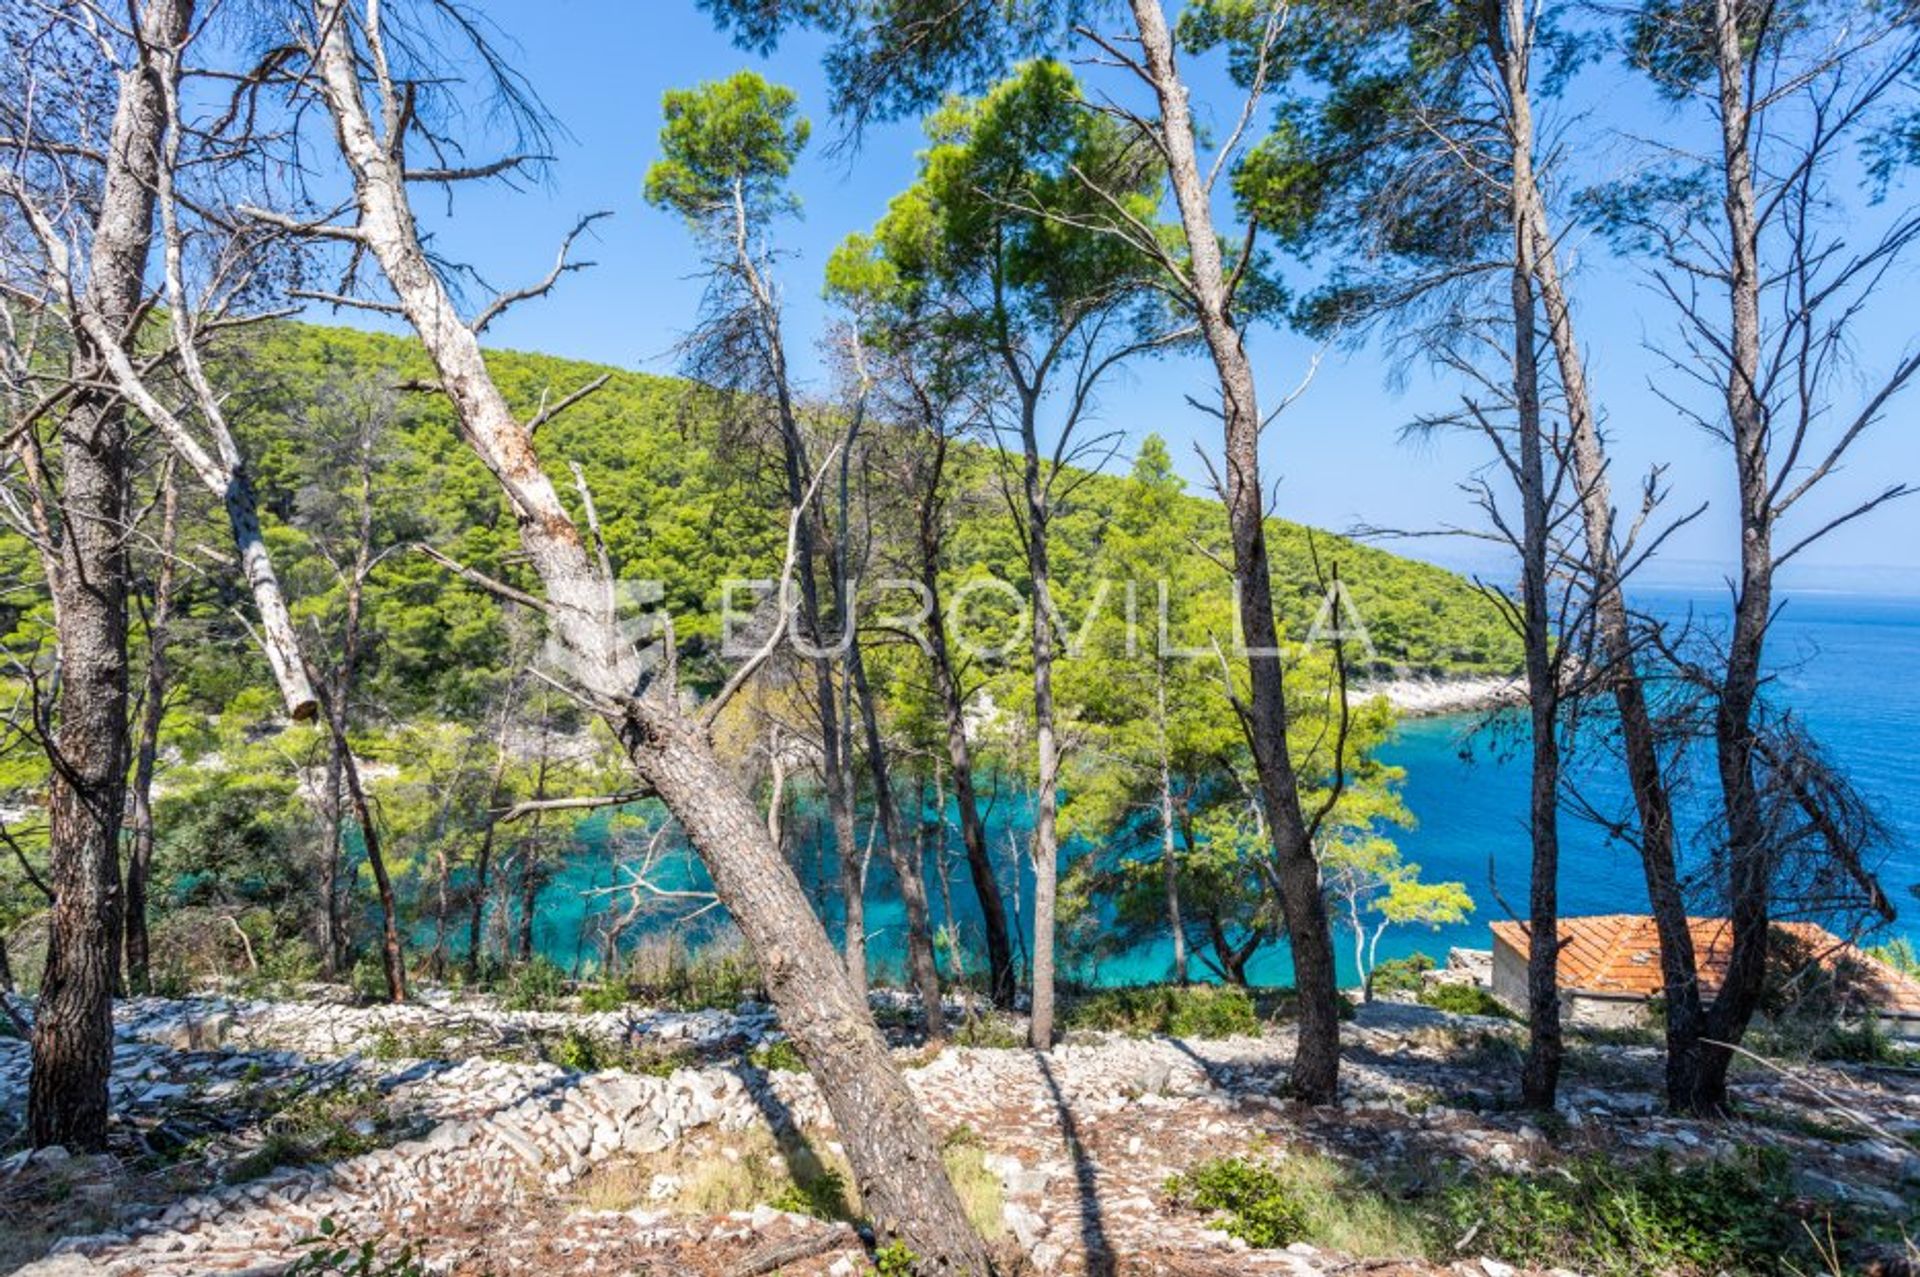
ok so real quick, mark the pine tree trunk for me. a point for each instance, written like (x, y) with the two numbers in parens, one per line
(392, 954)
(1169, 853)
(152, 712)
(853, 898)
(911, 874)
(1002, 978)
(1045, 847)
(1316, 1064)
(1748, 855)
(1653, 804)
(1507, 34)
(72, 1052)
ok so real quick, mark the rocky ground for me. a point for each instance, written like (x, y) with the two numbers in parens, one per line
(632, 1141)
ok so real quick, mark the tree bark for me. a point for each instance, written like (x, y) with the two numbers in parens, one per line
(72, 1051)
(1169, 852)
(1002, 979)
(1622, 676)
(152, 712)
(853, 896)
(1507, 35)
(901, 855)
(895, 1160)
(1316, 1065)
(1749, 859)
(1045, 846)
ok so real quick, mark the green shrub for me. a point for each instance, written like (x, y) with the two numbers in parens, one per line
(777, 1056)
(821, 1193)
(1603, 1217)
(368, 978)
(1596, 1216)
(538, 985)
(332, 1254)
(411, 1043)
(316, 1126)
(1464, 999)
(1250, 1195)
(990, 1032)
(609, 993)
(575, 1051)
(1402, 975)
(1199, 1011)
(1865, 1041)
(895, 1259)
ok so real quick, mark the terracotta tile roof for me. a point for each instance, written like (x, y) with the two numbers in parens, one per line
(1619, 954)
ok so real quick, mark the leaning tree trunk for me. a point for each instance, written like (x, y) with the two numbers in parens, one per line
(901, 854)
(73, 1025)
(1653, 805)
(1002, 982)
(152, 712)
(1540, 1074)
(1316, 1064)
(895, 1159)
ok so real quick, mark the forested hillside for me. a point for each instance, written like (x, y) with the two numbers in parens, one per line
(687, 499)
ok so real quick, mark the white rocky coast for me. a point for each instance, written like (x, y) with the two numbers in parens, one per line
(1427, 697)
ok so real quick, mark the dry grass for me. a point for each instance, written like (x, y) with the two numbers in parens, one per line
(733, 1172)
(806, 1173)
(978, 1187)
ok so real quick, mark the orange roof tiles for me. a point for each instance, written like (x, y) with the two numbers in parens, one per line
(1619, 954)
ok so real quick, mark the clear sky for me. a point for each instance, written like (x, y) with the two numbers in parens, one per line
(602, 65)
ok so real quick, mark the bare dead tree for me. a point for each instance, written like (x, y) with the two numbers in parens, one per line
(1768, 291)
(85, 517)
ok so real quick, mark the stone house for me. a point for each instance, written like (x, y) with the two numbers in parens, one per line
(1610, 969)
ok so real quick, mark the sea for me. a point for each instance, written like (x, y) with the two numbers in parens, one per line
(1847, 664)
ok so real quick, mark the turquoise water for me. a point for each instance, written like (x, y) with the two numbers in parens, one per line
(1850, 664)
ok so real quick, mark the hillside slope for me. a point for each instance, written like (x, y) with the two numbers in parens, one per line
(686, 500)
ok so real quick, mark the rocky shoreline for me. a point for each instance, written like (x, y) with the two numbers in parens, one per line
(1430, 697)
(485, 1158)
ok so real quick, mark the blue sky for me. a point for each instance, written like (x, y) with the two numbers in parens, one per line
(602, 65)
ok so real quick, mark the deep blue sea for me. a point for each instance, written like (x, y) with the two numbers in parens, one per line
(1848, 663)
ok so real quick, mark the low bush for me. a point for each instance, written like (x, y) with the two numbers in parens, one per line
(1738, 1216)
(988, 1031)
(1402, 975)
(1732, 1216)
(1250, 1197)
(719, 975)
(777, 1056)
(1197, 1011)
(538, 985)
(334, 1254)
(1464, 999)
(316, 1126)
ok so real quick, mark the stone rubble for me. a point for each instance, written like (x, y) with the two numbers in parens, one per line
(491, 1153)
